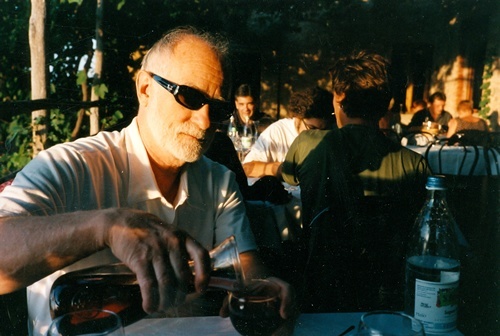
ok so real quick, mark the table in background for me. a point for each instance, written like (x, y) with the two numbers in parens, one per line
(307, 325)
(460, 160)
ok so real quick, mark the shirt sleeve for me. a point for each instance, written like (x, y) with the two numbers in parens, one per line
(232, 218)
(261, 150)
(292, 159)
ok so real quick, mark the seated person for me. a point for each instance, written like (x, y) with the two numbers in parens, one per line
(267, 188)
(372, 187)
(310, 109)
(246, 111)
(434, 112)
(465, 120)
(145, 196)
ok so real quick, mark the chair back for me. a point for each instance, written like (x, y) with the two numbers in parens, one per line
(357, 264)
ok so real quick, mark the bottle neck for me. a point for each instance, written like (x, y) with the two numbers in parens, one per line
(436, 194)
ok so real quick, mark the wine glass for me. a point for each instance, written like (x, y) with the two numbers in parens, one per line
(93, 322)
(389, 323)
(254, 311)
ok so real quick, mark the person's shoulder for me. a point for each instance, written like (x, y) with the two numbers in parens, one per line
(422, 112)
(312, 138)
(282, 122)
(278, 126)
(206, 165)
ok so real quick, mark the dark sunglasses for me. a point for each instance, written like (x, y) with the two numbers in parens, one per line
(194, 99)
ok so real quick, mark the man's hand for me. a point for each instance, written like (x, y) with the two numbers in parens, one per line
(158, 254)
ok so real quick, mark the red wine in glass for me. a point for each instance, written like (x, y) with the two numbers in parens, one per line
(254, 311)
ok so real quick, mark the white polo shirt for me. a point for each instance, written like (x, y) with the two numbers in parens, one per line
(112, 169)
(274, 142)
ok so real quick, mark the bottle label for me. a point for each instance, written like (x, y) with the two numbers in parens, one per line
(436, 304)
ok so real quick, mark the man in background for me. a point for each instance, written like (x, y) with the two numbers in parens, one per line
(434, 112)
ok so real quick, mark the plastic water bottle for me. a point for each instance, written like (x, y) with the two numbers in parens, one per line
(433, 265)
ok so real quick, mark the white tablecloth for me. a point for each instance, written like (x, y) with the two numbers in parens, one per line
(460, 160)
(307, 325)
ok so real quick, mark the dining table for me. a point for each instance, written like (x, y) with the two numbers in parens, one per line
(460, 160)
(307, 325)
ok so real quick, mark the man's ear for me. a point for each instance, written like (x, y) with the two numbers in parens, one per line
(143, 84)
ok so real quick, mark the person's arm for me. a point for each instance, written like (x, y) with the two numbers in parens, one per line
(35, 246)
(260, 169)
(416, 120)
(452, 128)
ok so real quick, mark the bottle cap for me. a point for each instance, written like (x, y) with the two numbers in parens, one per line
(436, 182)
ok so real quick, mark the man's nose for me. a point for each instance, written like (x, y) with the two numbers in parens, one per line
(201, 117)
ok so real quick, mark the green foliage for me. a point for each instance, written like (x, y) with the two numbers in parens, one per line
(112, 120)
(81, 77)
(16, 144)
(484, 108)
(100, 90)
(17, 138)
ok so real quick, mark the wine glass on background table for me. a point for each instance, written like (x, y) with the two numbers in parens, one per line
(95, 322)
(389, 323)
(254, 311)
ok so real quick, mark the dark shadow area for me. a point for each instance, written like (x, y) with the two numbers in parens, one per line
(475, 204)
(14, 314)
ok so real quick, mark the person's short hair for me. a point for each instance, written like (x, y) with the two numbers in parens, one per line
(419, 102)
(244, 90)
(437, 95)
(312, 103)
(465, 105)
(171, 38)
(364, 79)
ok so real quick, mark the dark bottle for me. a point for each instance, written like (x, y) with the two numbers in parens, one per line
(114, 287)
(433, 266)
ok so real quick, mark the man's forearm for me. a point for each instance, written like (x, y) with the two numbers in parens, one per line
(39, 245)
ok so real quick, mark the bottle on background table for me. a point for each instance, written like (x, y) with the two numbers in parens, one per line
(433, 265)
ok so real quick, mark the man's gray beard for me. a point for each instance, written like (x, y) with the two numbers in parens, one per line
(185, 149)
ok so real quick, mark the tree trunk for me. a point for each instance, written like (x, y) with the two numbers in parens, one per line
(94, 111)
(38, 72)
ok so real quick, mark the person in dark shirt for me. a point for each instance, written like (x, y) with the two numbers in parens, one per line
(434, 112)
(360, 193)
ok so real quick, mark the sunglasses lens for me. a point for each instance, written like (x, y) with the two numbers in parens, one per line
(191, 98)
(194, 100)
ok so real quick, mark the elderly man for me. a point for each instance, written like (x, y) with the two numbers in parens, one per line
(146, 195)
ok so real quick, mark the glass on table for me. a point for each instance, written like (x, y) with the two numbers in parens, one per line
(254, 311)
(389, 323)
(93, 322)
